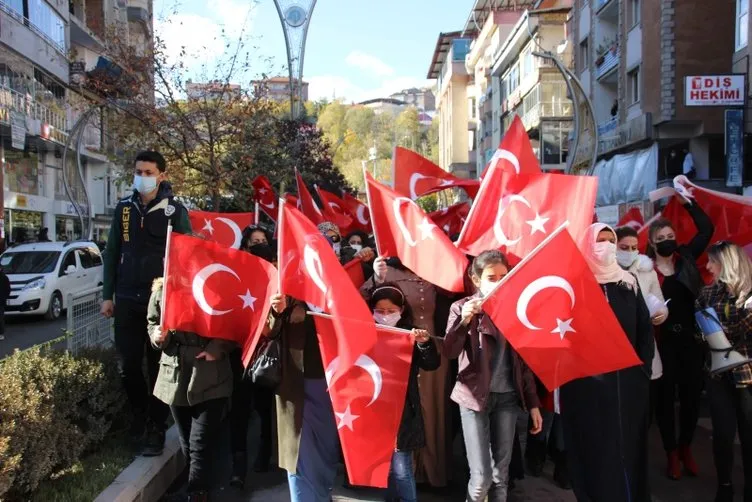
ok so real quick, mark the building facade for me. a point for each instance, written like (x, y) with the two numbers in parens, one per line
(422, 99)
(639, 61)
(46, 50)
(212, 90)
(277, 89)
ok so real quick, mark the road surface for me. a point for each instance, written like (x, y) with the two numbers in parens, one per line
(22, 332)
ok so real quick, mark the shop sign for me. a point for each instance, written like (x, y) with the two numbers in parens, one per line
(608, 214)
(21, 201)
(17, 130)
(714, 90)
(734, 147)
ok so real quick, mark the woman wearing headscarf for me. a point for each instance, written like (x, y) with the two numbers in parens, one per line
(605, 417)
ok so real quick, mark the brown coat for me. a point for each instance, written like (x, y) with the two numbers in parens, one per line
(292, 326)
(475, 345)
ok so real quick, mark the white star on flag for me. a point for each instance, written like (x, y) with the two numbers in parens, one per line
(208, 227)
(426, 229)
(248, 300)
(536, 225)
(563, 327)
(346, 419)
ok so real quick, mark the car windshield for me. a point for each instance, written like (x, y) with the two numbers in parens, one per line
(29, 262)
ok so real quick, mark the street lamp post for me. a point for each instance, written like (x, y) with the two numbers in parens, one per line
(578, 96)
(295, 16)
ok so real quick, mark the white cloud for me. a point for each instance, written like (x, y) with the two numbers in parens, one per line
(369, 63)
(204, 38)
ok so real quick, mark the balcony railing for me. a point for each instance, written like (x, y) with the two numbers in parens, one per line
(613, 136)
(13, 100)
(608, 61)
(4, 7)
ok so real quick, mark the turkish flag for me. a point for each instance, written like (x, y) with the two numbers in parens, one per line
(403, 230)
(731, 215)
(311, 272)
(335, 209)
(306, 203)
(291, 199)
(415, 176)
(216, 291)
(222, 228)
(368, 400)
(360, 212)
(515, 153)
(555, 315)
(452, 218)
(515, 212)
(263, 193)
(354, 269)
(632, 218)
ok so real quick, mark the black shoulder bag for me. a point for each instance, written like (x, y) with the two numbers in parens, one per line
(266, 364)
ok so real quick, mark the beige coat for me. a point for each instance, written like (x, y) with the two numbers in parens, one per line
(644, 270)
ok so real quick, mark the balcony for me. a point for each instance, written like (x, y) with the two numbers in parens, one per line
(606, 65)
(615, 136)
(138, 11)
(607, 9)
(81, 35)
(533, 116)
(42, 120)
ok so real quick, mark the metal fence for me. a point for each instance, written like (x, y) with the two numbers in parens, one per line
(87, 327)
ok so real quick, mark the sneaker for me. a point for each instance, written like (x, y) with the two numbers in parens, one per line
(685, 453)
(154, 442)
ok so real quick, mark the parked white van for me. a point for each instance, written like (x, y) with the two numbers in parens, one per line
(42, 274)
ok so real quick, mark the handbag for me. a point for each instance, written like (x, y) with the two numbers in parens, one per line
(266, 368)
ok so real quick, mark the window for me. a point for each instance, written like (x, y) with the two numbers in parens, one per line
(633, 12)
(473, 113)
(48, 22)
(584, 54)
(742, 23)
(554, 142)
(70, 259)
(514, 78)
(527, 62)
(633, 79)
(16, 6)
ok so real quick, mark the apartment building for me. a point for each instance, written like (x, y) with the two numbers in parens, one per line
(46, 51)
(278, 88)
(453, 79)
(422, 99)
(213, 90)
(645, 65)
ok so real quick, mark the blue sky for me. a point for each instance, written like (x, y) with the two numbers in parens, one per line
(357, 49)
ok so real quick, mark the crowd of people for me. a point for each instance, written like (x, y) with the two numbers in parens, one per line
(465, 377)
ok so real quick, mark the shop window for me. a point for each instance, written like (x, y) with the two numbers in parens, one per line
(22, 226)
(21, 174)
(554, 142)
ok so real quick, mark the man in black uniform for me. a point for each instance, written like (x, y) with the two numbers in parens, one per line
(133, 258)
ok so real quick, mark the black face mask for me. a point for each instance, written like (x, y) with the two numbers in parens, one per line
(666, 248)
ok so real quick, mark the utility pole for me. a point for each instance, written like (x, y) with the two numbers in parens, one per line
(295, 16)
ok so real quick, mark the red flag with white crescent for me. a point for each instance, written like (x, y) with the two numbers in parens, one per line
(335, 210)
(216, 291)
(360, 212)
(368, 400)
(554, 313)
(264, 194)
(306, 204)
(515, 153)
(451, 219)
(222, 228)
(632, 218)
(311, 272)
(415, 176)
(403, 230)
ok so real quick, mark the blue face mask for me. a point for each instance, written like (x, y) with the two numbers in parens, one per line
(145, 184)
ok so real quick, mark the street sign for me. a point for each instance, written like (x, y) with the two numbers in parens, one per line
(17, 130)
(734, 147)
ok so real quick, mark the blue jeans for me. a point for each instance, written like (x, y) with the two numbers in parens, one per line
(489, 441)
(318, 455)
(401, 486)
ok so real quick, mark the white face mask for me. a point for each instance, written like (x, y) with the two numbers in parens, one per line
(356, 247)
(605, 253)
(486, 287)
(144, 184)
(388, 319)
(626, 258)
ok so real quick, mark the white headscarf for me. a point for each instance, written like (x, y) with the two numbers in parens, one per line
(601, 257)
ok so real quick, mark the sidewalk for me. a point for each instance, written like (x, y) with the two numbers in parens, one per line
(272, 487)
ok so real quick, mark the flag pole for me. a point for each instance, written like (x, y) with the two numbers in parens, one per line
(526, 259)
(382, 327)
(280, 235)
(164, 274)
(483, 185)
(368, 198)
(256, 213)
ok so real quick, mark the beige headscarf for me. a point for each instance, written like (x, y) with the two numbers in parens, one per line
(604, 266)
